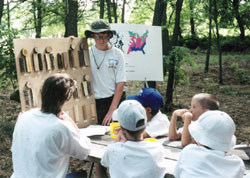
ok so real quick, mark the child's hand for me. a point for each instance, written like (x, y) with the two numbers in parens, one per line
(180, 112)
(120, 136)
(187, 116)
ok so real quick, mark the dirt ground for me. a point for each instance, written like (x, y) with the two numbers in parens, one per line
(233, 95)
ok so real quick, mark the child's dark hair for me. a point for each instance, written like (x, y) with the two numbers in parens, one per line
(153, 112)
(207, 101)
(56, 89)
(135, 134)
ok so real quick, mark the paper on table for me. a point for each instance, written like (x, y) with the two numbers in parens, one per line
(242, 151)
(92, 130)
(175, 144)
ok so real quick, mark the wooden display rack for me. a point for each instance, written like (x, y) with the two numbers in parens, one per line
(37, 59)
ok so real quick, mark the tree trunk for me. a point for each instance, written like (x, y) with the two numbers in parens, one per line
(191, 8)
(165, 33)
(109, 11)
(218, 41)
(1, 10)
(159, 13)
(209, 37)
(115, 11)
(165, 45)
(239, 19)
(123, 11)
(158, 20)
(170, 85)
(101, 9)
(71, 18)
(8, 13)
(39, 19)
(37, 13)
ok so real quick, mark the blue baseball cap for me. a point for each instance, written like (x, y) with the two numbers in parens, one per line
(148, 97)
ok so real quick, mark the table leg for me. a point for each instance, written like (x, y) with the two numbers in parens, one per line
(91, 169)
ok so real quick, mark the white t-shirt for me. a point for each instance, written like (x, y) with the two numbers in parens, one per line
(134, 160)
(111, 71)
(42, 145)
(158, 126)
(198, 161)
(180, 130)
(247, 176)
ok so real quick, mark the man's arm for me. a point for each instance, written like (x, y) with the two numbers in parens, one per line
(116, 99)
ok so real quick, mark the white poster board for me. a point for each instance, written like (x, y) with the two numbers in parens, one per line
(142, 47)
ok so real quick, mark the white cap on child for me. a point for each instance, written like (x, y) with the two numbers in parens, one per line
(214, 129)
(129, 113)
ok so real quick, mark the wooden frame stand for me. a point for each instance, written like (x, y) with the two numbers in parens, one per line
(37, 59)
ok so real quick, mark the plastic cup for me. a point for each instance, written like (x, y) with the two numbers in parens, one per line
(113, 127)
(151, 139)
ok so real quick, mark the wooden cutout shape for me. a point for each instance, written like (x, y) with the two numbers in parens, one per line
(51, 56)
(65, 60)
(40, 61)
(75, 93)
(76, 113)
(59, 61)
(86, 57)
(26, 97)
(92, 110)
(22, 64)
(35, 60)
(47, 61)
(84, 112)
(85, 88)
(27, 59)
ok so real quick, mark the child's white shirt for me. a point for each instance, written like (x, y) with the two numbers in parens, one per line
(198, 161)
(111, 71)
(42, 145)
(135, 160)
(158, 126)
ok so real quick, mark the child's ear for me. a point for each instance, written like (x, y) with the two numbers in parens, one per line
(148, 109)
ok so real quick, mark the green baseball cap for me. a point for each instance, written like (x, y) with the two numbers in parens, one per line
(99, 26)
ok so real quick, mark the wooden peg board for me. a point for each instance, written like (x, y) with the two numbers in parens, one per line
(37, 59)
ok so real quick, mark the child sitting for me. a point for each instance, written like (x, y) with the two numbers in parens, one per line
(200, 103)
(213, 133)
(152, 101)
(135, 158)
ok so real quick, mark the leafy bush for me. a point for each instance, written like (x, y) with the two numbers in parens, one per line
(182, 56)
(227, 89)
(6, 129)
(208, 85)
(241, 74)
(8, 75)
(228, 44)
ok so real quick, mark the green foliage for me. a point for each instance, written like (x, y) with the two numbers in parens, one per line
(182, 56)
(142, 12)
(227, 89)
(235, 44)
(208, 85)
(8, 73)
(6, 129)
(241, 74)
